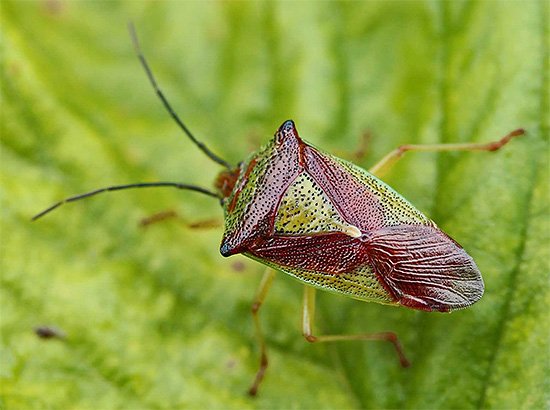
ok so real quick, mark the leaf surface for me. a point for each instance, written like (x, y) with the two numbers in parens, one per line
(155, 317)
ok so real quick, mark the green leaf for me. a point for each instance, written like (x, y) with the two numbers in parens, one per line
(155, 317)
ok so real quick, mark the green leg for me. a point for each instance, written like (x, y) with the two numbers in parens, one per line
(390, 159)
(307, 329)
(261, 294)
(173, 215)
(158, 217)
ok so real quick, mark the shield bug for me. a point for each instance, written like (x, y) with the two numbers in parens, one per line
(333, 226)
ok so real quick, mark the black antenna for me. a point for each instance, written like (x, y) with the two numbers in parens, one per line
(165, 102)
(177, 185)
(127, 186)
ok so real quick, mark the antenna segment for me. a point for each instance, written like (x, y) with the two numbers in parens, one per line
(167, 105)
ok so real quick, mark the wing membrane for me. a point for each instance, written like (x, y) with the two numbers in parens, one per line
(329, 253)
(424, 268)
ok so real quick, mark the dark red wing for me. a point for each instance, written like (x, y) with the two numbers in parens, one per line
(424, 268)
(333, 252)
(355, 202)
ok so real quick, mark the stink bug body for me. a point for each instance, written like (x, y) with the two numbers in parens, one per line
(333, 226)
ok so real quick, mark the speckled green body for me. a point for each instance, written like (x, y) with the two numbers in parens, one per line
(333, 225)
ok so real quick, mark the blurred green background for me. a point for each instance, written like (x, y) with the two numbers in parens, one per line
(156, 318)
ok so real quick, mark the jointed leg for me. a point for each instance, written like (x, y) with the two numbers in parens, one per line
(307, 329)
(265, 284)
(158, 217)
(391, 158)
(173, 215)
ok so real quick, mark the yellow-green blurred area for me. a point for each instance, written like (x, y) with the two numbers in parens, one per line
(154, 317)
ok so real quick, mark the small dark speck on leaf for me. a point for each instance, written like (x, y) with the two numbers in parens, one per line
(49, 332)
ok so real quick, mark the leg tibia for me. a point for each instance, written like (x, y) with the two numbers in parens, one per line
(261, 294)
(390, 159)
(307, 329)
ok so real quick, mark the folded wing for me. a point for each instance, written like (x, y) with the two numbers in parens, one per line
(423, 268)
